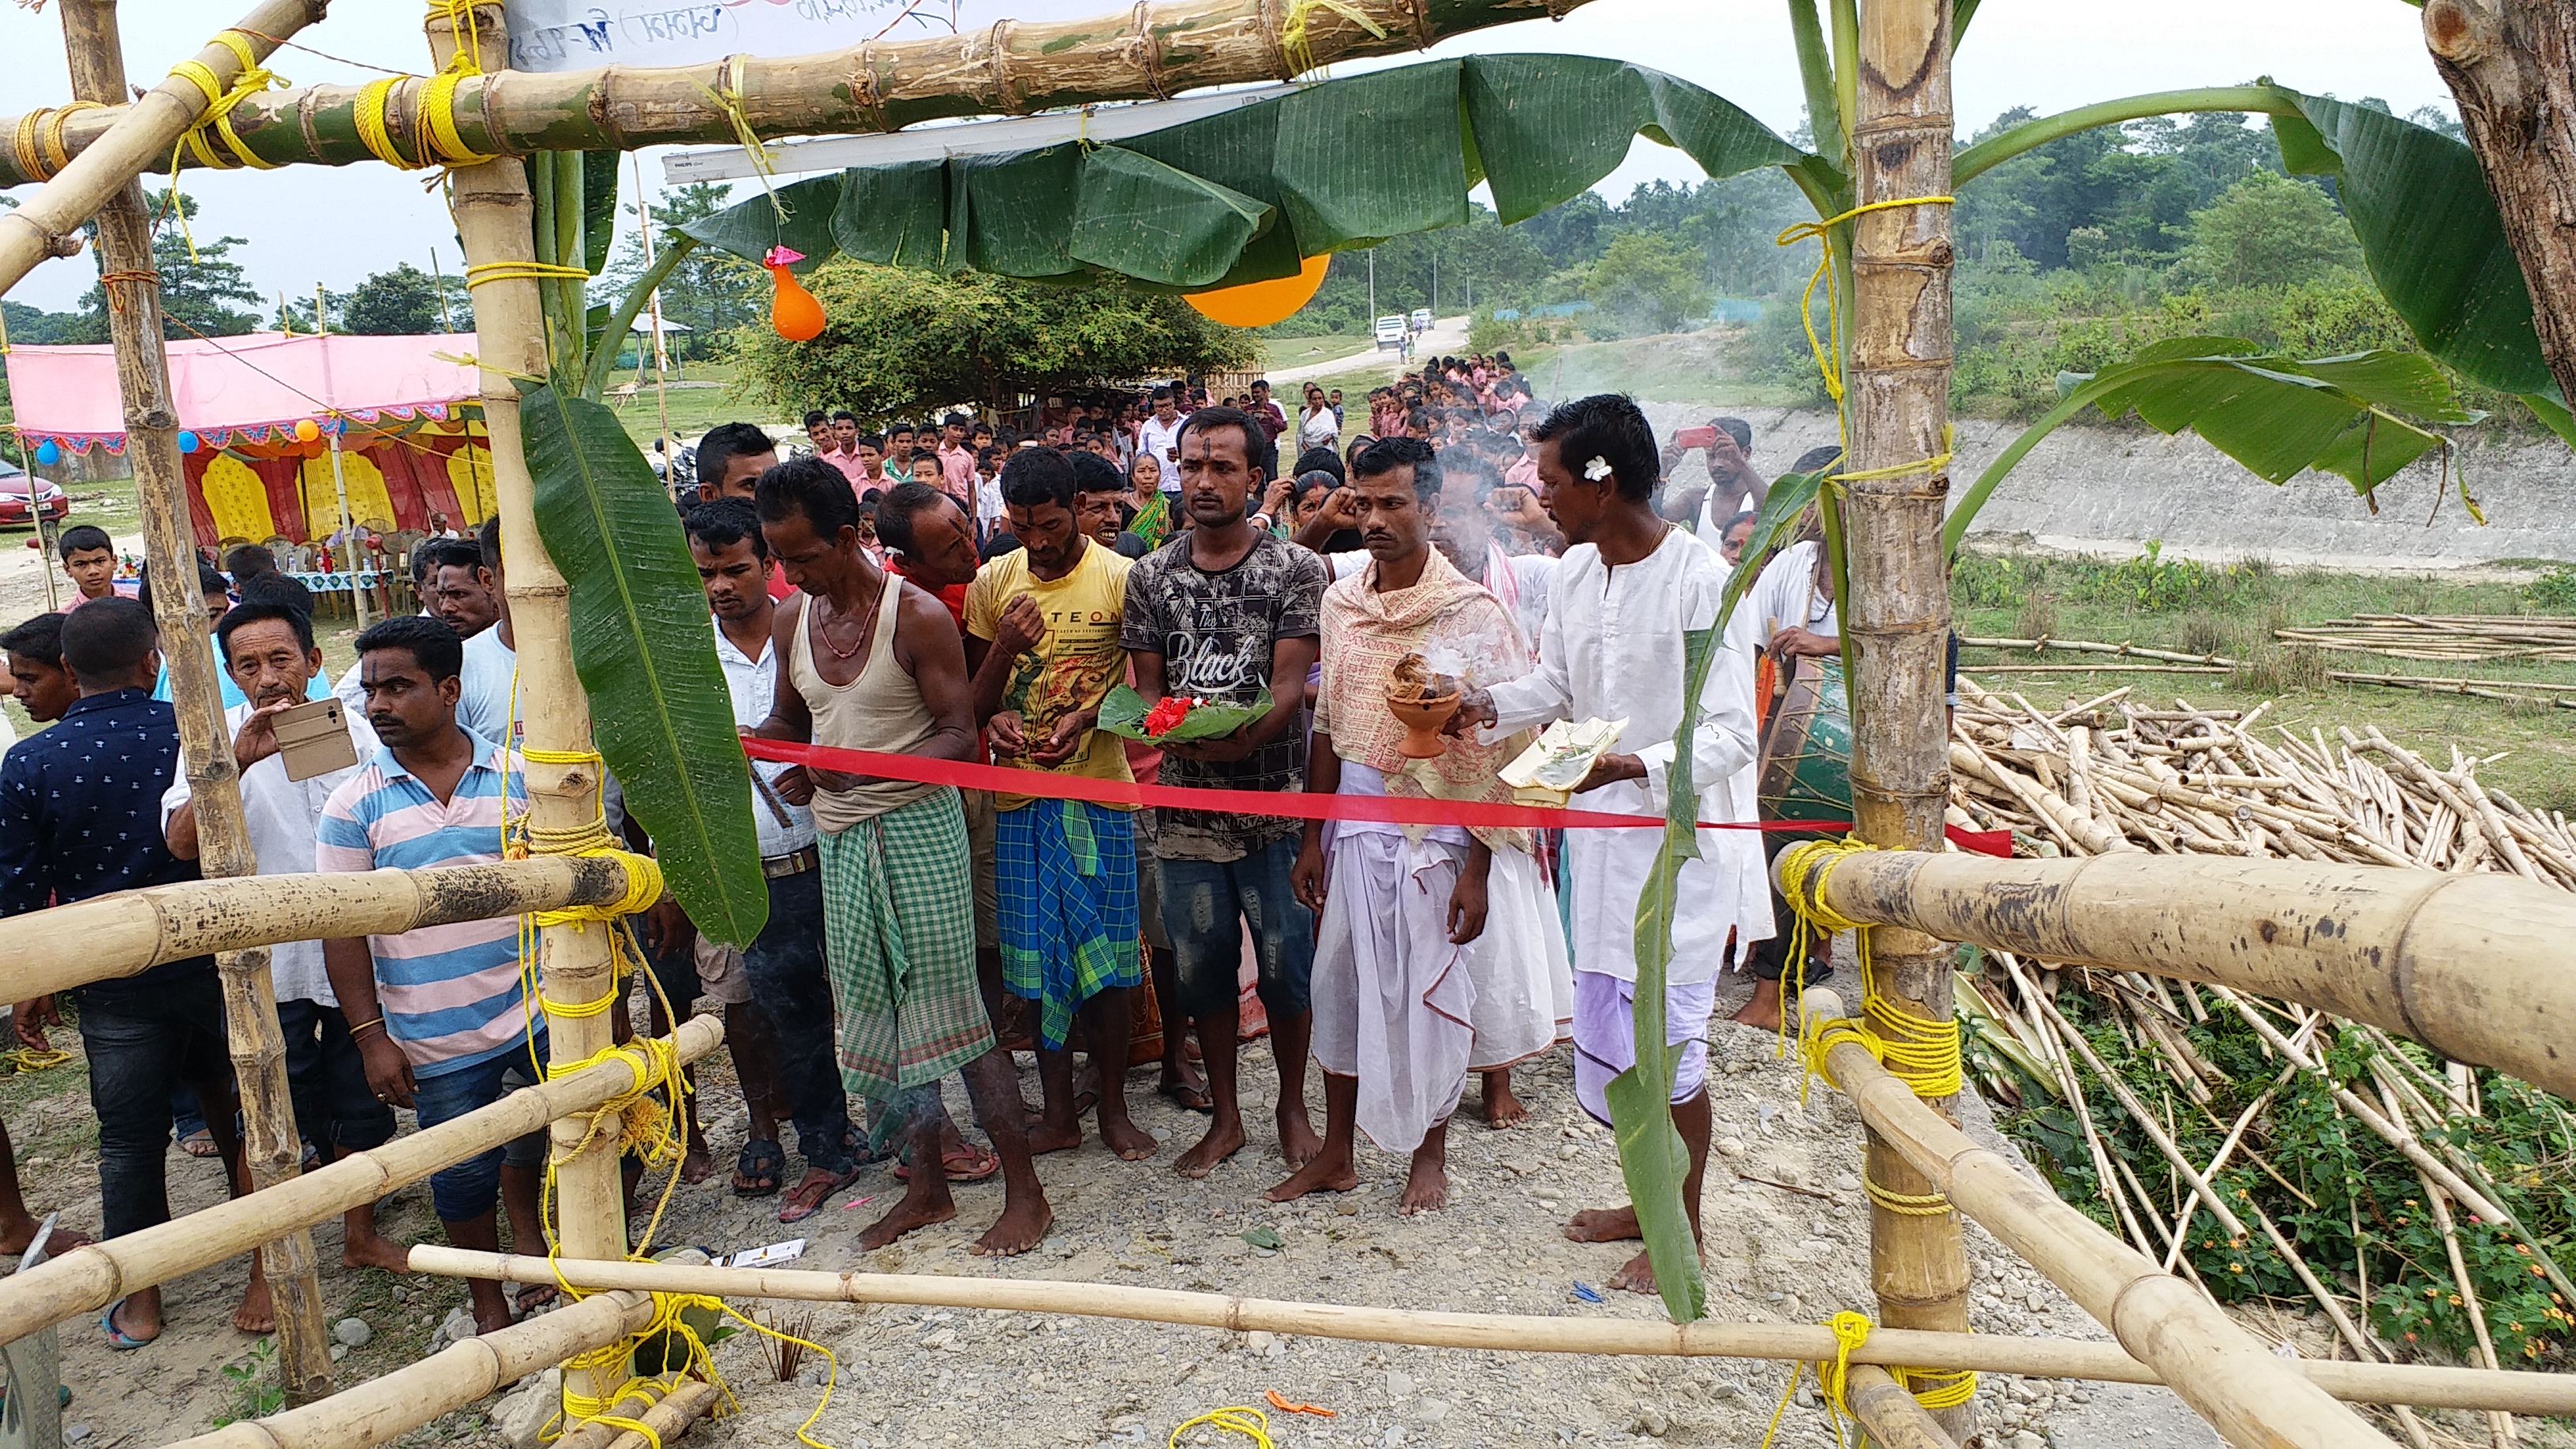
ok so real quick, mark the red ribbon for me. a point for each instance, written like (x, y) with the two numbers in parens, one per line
(1289, 805)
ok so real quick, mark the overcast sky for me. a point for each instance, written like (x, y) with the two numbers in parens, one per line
(308, 225)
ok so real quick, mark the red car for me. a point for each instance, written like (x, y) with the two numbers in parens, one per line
(18, 504)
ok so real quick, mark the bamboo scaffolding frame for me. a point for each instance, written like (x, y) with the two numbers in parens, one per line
(89, 1278)
(118, 935)
(272, 1150)
(120, 141)
(1151, 51)
(2472, 966)
(668, 1417)
(383, 1409)
(2430, 1387)
(2250, 1397)
(1887, 1409)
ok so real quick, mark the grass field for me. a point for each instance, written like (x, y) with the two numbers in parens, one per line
(1279, 352)
(2232, 611)
(708, 397)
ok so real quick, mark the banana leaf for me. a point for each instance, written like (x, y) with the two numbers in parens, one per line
(1243, 196)
(1123, 711)
(598, 207)
(2278, 416)
(641, 643)
(1651, 1156)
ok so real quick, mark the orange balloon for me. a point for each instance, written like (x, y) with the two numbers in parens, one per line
(1258, 304)
(792, 310)
(306, 430)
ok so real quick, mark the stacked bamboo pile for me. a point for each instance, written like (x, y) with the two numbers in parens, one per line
(2456, 638)
(2109, 775)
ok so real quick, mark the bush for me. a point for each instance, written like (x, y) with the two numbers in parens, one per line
(2554, 592)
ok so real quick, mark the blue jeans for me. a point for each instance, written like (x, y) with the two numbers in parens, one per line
(469, 1189)
(1203, 902)
(327, 1077)
(793, 989)
(142, 1040)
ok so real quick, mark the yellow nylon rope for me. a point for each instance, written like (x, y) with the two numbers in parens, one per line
(253, 79)
(1249, 1422)
(1826, 355)
(482, 272)
(1298, 46)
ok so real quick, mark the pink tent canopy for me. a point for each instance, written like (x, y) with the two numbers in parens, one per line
(247, 389)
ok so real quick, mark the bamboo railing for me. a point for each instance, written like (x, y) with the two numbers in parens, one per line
(1149, 51)
(89, 1278)
(107, 937)
(2474, 967)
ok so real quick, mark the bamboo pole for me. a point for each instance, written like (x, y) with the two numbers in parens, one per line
(1896, 621)
(272, 1150)
(2250, 1397)
(667, 1420)
(87, 1279)
(118, 935)
(1888, 1411)
(2499, 1426)
(382, 1410)
(2428, 1386)
(116, 143)
(2472, 966)
(1150, 51)
(493, 210)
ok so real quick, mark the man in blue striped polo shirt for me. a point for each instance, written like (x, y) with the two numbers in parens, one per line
(437, 1012)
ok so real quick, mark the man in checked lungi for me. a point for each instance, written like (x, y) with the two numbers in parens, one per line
(875, 663)
(1042, 637)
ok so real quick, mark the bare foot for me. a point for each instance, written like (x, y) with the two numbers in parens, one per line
(256, 1314)
(22, 1232)
(1046, 1136)
(1297, 1140)
(1327, 1173)
(1222, 1141)
(1762, 1011)
(1021, 1227)
(1604, 1225)
(1426, 1187)
(907, 1216)
(1503, 1111)
(374, 1250)
(695, 1165)
(1637, 1275)
(1122, 1136)
(490, 1320)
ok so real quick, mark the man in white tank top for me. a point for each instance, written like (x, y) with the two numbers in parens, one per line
(875, 663)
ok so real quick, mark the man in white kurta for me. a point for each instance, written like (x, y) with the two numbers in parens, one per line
(1627, 591)
(1436, 946)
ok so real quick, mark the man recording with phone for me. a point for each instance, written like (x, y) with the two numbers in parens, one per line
(269, 651)
(1733, 486)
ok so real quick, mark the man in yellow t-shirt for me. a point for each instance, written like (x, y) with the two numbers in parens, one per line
(1042, 627)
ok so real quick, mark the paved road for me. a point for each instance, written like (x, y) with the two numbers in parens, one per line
(1448, 335)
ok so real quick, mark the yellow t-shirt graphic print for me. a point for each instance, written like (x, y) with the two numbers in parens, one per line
(1077, 662)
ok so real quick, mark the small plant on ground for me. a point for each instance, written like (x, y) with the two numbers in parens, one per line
(256, 1389)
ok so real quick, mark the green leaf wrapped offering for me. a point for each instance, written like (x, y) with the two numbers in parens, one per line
(1177, 720)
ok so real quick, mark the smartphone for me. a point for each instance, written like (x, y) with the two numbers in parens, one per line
(1695, 438)
(313, 738)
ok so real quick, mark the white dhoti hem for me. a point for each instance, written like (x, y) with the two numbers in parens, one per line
(1524, 984)
(1393, 1000)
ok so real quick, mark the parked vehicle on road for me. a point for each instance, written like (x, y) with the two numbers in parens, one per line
(23, 496)
(1390, 333)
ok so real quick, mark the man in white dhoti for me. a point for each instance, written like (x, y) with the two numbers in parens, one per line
(1627, 591)
(1437, 946)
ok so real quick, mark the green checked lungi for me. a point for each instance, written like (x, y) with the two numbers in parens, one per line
(899, 935)
(1067, 871)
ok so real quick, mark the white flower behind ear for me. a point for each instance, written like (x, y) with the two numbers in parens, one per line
(1597, 469)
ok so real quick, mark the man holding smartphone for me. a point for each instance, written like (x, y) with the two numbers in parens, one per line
(1733, 486)
(270, 652)
(1160, 435)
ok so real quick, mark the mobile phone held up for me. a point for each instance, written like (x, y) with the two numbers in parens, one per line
(313, 738)
(1695, 438)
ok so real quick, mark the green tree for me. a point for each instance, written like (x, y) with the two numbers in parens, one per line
(198, 286)
(710, 292)
(897, 339)
(2269, 231)
(1646, 282)
(402, 302)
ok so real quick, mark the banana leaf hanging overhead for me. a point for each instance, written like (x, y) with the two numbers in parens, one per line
(1246, 195)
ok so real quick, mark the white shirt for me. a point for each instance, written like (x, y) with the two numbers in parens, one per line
(1613, 648)
(1786, 597)
(1162, 439)
(281, 815)
(483, 693)
(753, 684)
(1319, 430)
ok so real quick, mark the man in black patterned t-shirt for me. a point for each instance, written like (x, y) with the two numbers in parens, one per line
(1217, 614)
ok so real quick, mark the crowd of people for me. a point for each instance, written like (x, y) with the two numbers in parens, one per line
(965, 595)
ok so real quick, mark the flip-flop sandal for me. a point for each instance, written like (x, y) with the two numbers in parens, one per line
(533, 1296)
(200, 1143)
(1188, 1098)
(118, 1338)
(758, 1171)
(798, 1208)
(968, 1164)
